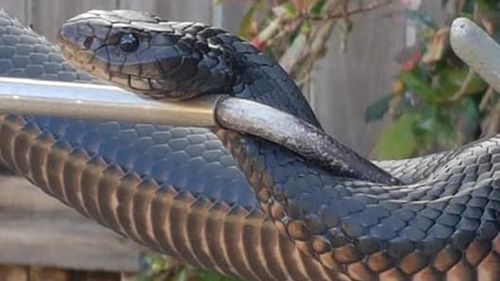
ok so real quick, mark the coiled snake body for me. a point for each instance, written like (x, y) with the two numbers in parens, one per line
(269, 215)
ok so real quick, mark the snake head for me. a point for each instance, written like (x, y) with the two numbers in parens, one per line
(142, 53)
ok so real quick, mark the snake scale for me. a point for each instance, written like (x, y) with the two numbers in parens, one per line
(227, 201)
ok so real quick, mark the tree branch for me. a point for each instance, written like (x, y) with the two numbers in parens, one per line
(348, 13)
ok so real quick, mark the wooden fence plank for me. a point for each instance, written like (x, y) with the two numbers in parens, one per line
(52, 274)
(16, 8)
(14, 273)
(48, 15)
(36, 229)
(144, 5)
(55, 274)
(187, 10)
(228, 14)
(344, 84)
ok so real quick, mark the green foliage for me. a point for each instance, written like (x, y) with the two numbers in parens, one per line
(421, 17)
(489, 4)
(437, 102)
(377, 110)
(402, 137)
(429, 128)
(161, 268)
(155, 268)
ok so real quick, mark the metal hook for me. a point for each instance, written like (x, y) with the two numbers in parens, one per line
(100, 102)
(477, 49)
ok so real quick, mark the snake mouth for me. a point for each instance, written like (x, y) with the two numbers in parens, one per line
(169, 61)
(64, 43)
(76, 56)
(73, 48)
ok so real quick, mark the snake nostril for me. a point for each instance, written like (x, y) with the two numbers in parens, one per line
(88, 42)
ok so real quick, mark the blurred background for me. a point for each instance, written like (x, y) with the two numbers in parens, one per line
(379, 74)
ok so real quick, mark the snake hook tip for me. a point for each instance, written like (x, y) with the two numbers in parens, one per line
(461, 27)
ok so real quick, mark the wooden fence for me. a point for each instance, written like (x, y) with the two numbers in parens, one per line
(38, 231)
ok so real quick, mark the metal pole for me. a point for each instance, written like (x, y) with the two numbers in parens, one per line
(477, 49)
(99, 102)
(298, 136)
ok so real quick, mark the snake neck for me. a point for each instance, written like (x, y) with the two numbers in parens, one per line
(277, 175)
(331, 217)
(259, 78)
(266, 165)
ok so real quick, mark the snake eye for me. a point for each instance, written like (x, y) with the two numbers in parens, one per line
(128, 42)
(88, 42)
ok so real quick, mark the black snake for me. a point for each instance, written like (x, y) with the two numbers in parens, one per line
(254, 210)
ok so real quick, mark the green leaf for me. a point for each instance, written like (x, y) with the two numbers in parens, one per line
(317, 8)
(248, 18)
(182, 275)
(305, 27)
(420, 17)
(451, 80)
(419, 86)
(290, 9)
(378, 109)
(476, 85)
(399, 140)
(489, 4)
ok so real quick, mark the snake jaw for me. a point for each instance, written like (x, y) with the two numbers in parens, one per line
(166, 60)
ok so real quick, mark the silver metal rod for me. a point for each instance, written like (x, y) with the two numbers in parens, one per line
(99, 102)
(299, 136)
(477, 49)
